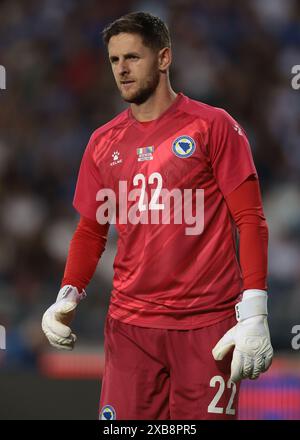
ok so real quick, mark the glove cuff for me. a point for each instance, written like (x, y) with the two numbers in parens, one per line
(72, 293)
(252, 306)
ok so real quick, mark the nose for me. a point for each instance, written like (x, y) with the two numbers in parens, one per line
(123, 68)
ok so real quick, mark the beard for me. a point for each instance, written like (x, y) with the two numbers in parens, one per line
(145, 91)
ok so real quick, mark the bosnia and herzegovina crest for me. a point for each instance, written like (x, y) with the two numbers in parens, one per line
(183, 146)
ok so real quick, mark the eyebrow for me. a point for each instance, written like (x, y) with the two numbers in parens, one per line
(126, 56)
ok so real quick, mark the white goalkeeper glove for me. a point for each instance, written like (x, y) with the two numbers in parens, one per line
(57, 318)
(253, 351)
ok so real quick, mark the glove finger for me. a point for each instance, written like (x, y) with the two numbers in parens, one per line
(268, 357)
(263, 362)
(224, 345)
(61, 343)
(51, 323)
(61, 347)
(59, 340)
(259, 366)
(236, 366)
(248, 366)
(255, 375)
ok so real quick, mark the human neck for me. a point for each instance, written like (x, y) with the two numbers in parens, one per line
(157, 104)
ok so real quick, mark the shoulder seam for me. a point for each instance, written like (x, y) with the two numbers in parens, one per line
(110, 125)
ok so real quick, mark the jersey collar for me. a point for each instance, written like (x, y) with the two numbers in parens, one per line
(146, 125)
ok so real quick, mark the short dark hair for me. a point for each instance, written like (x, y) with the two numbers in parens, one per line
(152, 29)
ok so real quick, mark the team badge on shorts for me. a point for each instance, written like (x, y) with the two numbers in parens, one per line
(184, 146)
(107, 413)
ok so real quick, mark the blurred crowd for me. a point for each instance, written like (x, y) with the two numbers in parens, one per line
(231, 54)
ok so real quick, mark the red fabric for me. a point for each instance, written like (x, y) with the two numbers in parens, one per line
(245, 206)
(168, 374)
(194, 146)
(86, 248)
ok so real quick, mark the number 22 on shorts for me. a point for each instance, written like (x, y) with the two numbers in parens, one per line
(212, 407)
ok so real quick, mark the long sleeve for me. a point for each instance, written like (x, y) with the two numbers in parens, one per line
(245, 206)
(86, 248)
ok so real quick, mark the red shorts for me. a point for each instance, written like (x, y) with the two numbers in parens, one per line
(161, 374)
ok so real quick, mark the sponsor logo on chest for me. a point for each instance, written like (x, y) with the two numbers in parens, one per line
(145, 153)
(116, 158)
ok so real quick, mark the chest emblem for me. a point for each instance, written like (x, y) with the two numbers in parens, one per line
(183, 146)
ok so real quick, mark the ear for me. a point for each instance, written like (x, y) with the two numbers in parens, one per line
(164, 59)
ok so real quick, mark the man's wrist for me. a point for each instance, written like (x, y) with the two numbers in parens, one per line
(254, 303)
(252, 293)
(71, 292)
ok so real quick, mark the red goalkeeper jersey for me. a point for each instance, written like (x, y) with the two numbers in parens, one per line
(176, 264)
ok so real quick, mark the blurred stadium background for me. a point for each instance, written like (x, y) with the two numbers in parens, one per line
(231, 54)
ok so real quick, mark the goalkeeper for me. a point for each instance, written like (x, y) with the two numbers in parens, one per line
(187, 320)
